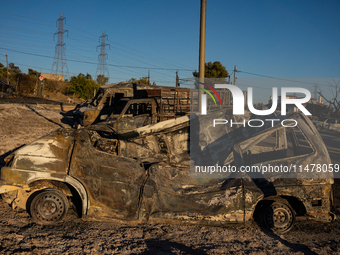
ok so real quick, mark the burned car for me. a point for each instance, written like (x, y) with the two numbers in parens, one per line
(111, 97)
(144, 175)
(332, 124)
(130, 113)
(99, 107)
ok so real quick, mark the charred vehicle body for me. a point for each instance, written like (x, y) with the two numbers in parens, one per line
(332, 124)
(144, 175)
(170, 102)
(100, 106)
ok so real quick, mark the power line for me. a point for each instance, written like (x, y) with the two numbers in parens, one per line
(26, 17)
(116, 47)
(31, 22)
(36, 67)
(83, 31)
(130, 51)
(137, 52)
(240, 84)
(25, 37)
(122, 54)
(267, 76)
(23, 30)
(88, 62)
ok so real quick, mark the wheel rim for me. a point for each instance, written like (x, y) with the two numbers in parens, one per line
(48, 207)
(279, 217)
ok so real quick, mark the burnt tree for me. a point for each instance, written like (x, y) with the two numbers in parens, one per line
(334, 102)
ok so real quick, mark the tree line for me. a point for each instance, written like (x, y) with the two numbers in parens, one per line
(26, 84)
(82, 85)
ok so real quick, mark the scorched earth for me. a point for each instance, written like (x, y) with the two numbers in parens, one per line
(21, 124)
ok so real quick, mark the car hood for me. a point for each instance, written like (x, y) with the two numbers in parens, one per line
(50, 153)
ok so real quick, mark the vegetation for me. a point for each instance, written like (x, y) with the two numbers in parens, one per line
(214, 70)
(102, 80)
(25, 83)
(83, 86)
(33, 73)
(143, 80)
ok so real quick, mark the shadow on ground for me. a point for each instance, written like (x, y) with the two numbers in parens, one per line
(3, 156)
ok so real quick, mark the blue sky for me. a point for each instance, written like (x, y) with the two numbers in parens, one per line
(283, 39)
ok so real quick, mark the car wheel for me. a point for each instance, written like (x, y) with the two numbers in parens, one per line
(279, 217)
(48, 206)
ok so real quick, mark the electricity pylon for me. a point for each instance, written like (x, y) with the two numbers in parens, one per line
(102, 65)
(59, 64)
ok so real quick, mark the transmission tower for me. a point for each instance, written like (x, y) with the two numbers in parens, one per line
(59, 64)
(102, 65)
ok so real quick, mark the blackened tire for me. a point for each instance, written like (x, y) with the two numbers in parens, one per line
(48, 206)
(279, 217)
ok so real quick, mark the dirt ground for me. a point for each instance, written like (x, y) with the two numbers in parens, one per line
(23, 123)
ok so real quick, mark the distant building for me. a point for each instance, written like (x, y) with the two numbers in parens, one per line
(54, 77)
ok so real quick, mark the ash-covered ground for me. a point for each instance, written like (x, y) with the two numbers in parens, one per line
(22, 123)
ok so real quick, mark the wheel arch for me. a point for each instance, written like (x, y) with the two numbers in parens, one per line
(296, 204)
(68, 185)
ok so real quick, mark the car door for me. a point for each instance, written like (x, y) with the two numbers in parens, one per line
(172, 192)
(113, 182)
(281, 161)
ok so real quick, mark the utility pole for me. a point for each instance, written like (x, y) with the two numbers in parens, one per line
(177, 79)
(315, 92)
(149, 76)
(202, 52)
(7, 69)
(235, 75)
